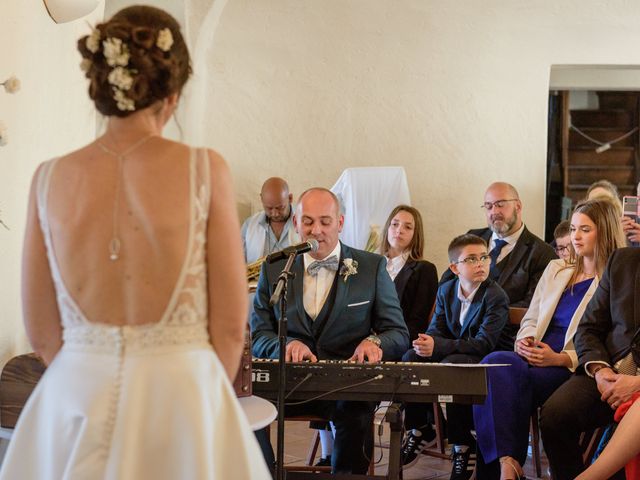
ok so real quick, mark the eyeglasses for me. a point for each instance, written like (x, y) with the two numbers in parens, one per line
(560, 249)
(475, 260)
(497, 204)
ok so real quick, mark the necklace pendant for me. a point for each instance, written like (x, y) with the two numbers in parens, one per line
(114, 249)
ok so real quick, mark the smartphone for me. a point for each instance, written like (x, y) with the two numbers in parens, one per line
(630, 207)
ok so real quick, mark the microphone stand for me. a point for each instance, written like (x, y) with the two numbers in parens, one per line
(280, 294)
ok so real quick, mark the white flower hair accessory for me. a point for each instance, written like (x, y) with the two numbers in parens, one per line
(117, 55)
(93, 41)
(349, 267)
(11, 84)
(123, 102)
(120, 78)
(165, 40)
(116, 52)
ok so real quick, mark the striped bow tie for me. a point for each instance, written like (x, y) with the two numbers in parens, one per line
(330, 263)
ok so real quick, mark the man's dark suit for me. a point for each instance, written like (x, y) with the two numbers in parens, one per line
(605, 333)
(520, 271)
(364, 303)
(416, 286)
(466, 343)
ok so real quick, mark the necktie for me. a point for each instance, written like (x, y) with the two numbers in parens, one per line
(495, 253)
(330, 263)
(627, 365)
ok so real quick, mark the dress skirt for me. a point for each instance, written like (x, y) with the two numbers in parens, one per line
(159, 413)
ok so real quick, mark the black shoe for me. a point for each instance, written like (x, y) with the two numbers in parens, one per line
(414, 443)
(323, 462)
(464, 465)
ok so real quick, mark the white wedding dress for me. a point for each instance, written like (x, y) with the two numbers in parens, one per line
(136, 402)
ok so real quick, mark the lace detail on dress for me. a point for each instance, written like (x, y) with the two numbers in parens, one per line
(133, 338)
(191, 303)
(188, 306)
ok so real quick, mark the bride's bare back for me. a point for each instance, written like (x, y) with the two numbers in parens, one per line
(153, 225)
(153, 220)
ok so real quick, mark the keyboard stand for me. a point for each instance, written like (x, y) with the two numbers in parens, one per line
(393, 417)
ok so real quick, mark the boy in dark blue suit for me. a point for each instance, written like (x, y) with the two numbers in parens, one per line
(471, 311)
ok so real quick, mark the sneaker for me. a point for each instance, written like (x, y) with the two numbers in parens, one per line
(464, 464)
(323, 462)
(414, 443)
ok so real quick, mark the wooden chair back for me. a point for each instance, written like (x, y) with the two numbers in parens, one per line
(18, 379)
(516, 314)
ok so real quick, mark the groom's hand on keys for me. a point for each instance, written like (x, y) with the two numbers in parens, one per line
(368, 351)
(296, 351)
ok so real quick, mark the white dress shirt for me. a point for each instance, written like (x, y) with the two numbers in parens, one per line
(395, 264)
(465, 302)
(511, 242)
(316, 289)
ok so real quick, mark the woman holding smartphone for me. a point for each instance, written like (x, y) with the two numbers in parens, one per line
(630, 227)
(630, 218)
(544, 354)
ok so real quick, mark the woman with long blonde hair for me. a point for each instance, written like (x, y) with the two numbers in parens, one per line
(544, 355)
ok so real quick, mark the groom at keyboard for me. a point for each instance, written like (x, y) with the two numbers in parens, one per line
(341, 305)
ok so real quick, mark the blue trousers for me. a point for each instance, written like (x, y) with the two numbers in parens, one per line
(502, 422)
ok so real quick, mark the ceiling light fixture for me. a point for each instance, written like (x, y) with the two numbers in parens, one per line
(62, 11)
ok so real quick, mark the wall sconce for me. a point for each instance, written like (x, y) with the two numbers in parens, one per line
(62, 11)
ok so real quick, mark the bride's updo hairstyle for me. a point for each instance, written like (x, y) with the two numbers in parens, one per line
(133, 60)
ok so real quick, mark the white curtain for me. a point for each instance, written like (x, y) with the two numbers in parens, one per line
(201, 20)
(367, 196)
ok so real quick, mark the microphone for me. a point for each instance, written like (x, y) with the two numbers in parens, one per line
(310, 245)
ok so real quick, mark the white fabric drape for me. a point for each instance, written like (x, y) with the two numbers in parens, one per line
(367, 195)
(201, 20)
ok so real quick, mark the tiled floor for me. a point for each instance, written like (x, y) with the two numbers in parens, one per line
(298, 438)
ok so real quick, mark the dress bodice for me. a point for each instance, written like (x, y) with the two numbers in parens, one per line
(564, 312)
(184, 321)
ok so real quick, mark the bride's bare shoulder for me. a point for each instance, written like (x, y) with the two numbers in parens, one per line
(88, 151)
(93, 150)
(215, 159)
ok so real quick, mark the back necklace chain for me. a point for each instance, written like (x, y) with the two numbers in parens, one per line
(115, 243)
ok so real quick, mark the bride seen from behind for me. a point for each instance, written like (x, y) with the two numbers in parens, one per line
(134, 291)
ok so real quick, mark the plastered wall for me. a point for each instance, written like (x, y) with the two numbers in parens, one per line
(454, 91)
(49, 116)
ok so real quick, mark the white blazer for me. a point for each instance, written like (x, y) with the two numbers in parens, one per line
(553, 282)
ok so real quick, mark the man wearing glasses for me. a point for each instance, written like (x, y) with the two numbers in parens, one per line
(562, 240)
(518, 257)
